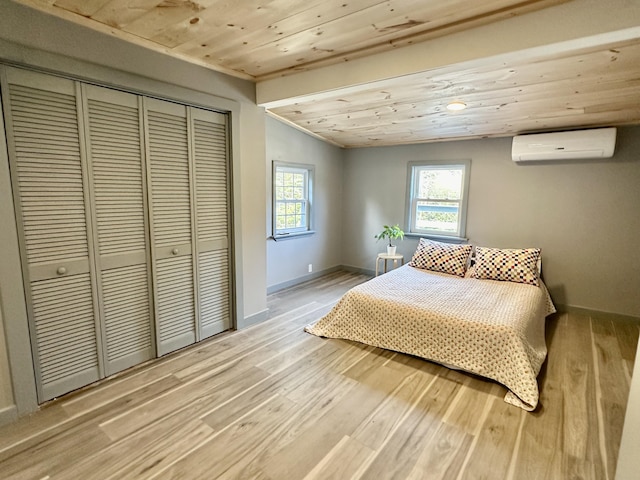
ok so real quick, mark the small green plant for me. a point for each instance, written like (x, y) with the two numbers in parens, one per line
(390, 232)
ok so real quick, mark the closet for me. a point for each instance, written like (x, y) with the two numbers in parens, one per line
(122, 203)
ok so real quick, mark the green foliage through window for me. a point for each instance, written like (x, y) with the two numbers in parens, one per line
(438, 198)
(291, 189)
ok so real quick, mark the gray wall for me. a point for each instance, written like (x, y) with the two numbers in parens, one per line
(28, 37)
(585, 216)
(287, 260)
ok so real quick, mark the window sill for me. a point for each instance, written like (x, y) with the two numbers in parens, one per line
(438, 238)
(291, 236)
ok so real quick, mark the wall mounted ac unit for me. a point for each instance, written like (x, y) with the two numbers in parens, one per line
(595, 143)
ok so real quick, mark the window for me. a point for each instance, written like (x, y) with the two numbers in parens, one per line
(292, 188)
(438, 198)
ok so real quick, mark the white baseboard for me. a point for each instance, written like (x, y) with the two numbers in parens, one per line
(253, 319)
(364, 271)
(299, 280)
(618, 317)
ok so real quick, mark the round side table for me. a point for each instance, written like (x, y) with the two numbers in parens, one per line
(385, 257)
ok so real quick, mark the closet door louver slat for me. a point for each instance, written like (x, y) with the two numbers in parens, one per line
(127, 316)
(212, 220)
(43, 194)
(115, 153)
(215, 313)
(168, 158)
(47, 173)
(175, 305)
(65, 332)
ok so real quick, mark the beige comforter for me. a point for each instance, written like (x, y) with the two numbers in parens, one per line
(490, 328)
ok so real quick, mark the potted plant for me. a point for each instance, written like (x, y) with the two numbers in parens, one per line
(391, 233)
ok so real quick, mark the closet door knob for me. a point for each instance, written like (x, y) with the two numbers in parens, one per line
(175, 251)
(61, 271)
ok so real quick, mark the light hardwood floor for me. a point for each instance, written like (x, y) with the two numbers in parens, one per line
(272, 402)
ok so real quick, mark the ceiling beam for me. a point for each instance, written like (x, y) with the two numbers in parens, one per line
(566, 27)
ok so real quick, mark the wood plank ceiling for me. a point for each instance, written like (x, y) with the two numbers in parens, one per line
(598, 87)
(266, 39)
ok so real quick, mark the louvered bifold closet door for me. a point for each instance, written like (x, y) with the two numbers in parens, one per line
(211, 165)
(49, 181)
(115, 149)
(168, 148)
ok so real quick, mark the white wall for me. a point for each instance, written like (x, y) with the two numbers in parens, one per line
(583, 215)
(28, 37)
(288, 260)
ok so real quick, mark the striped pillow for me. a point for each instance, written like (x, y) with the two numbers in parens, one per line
(441, 257)
(510, 265)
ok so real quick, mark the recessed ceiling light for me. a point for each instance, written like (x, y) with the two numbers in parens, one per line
(455, 106)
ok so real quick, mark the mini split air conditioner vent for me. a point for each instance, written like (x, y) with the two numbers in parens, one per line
(596, 143)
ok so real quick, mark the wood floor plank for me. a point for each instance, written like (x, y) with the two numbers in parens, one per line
(92, 400)
(443, 455)
(382, 423)
(85, 421)
(610, 378)
(137, 377)
(292, 354)
(327, 288)
(550, 429)
(494, 449)
(235, 445)
(627, 335)
(272, 402)
(397, 457)
(188, 400)
(580, 426)
(143, 454)
(542, 437)
(372, 361)
(316, 380)
(471, 398)
(608, 355)
(294, 383)
(52, 454)
(308, 412)
(261, 337)
(16, 436)
(221, 370)
(342, 462)
(315, 441)
(311, 408)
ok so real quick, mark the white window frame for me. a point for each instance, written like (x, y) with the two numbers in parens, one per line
(412, 198)
(308, 172)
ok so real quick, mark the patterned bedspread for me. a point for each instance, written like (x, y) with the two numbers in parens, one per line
(490, 328)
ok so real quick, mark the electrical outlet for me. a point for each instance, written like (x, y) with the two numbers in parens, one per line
(310, 267)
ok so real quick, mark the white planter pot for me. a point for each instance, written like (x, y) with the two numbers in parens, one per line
(391, 250)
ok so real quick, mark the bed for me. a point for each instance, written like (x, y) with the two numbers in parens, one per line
(491, 328)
